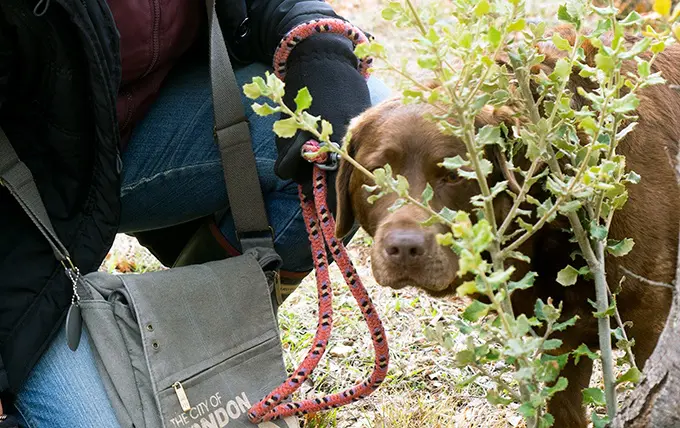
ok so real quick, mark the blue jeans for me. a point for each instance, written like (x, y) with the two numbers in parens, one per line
(172, 173)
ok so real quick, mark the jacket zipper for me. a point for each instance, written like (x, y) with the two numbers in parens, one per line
(155, 40)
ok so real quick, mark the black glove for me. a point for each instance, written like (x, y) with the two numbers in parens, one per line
(324, 63)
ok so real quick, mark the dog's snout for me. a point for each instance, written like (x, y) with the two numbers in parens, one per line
(406, 246)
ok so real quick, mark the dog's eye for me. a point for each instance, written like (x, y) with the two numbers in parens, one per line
(451, 177)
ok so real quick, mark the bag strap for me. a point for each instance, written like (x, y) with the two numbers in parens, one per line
(17, 178)
(233, 137)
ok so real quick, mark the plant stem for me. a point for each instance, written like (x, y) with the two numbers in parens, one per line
(619, 321)
(520, 198)
(595, 260)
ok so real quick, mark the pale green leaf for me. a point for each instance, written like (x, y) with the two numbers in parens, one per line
(620, 248)
(285, 128)
(567, 276)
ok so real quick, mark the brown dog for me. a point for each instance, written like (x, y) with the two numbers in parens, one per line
(405, 253)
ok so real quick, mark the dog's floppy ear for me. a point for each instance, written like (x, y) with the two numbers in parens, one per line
(360, 130)
(344, 218)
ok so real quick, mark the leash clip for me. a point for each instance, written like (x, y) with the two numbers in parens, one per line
(331, 164)
(327, 161)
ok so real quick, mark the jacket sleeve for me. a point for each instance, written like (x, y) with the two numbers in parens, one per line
(5, 67)
(268, 21)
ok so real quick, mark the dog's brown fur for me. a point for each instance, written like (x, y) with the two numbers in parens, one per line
(397, 134)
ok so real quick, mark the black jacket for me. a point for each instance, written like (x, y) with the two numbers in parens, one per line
(59, 76)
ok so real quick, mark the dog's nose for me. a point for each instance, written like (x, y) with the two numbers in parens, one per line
(405, 246)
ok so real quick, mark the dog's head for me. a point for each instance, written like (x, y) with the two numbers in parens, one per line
(405, 252)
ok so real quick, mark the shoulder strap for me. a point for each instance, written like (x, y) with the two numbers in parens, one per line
(233, 136)
(17, 178)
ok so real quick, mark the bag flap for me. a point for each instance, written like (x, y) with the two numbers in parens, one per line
(193, 317)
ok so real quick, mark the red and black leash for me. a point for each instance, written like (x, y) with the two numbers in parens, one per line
(321, 229)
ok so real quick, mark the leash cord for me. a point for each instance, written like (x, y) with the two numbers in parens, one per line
(321, 227)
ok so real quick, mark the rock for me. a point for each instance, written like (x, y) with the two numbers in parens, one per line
(341, 351)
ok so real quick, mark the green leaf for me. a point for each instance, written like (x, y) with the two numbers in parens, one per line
(568, 323)
(465, 357)
(563, 15)
(581, 351)
(606, 11)
(560, 385)
(400, 202)
(637, 49)
(632, 177)
(518, 25)
(599, 421)
(498, 188)
(445, 239)
(485, 166)
(274, 86)
(644, 69)
(428, 62)
(493, 397)
(547, 420)
(452, 164)
(524, 225)
(658, 47)
(252, 90)
(632, 375)
(598, 232)
(481, 101)
(610, 311)
(562, 69)
(326, 130)
(620, 248)
(552, 344)
(264, 109)
(309, 121)
(594, 396)
(427, 195)
(605, 62)
(488, 135)
(402, 186)
(524, 283)
(626, 104)
(482, 8)
(285, 128)
(569, 207)
(633, 18)
(527, 410)
(498, 278)
(475, 311)
(567, 276)
(560, 42)
(545, 311)
(494, 36)
(467, 288)
(362, 50)
(303, 100)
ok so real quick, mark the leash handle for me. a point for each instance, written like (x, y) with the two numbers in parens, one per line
(321, 226)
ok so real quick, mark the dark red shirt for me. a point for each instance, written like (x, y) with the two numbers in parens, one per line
(153, 35)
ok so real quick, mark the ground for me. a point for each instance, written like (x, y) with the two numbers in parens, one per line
(420, 390)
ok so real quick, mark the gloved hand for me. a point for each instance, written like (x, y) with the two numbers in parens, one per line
(324, 63)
